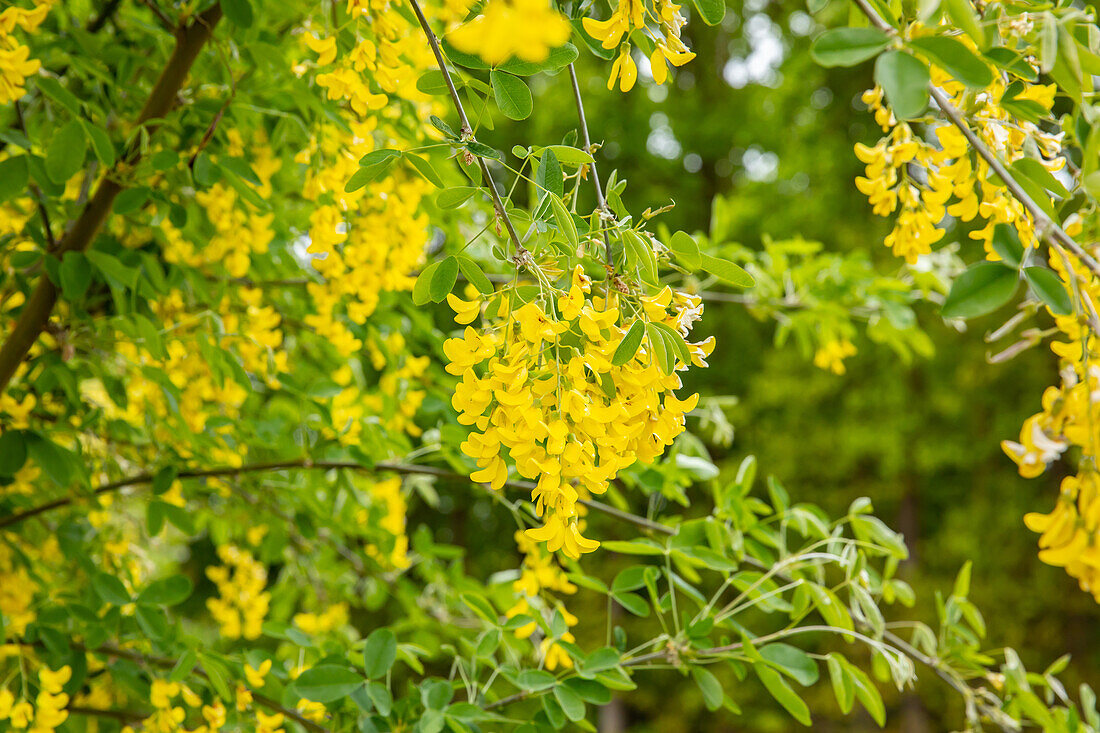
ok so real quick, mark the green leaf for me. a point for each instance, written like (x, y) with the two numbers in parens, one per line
(1049, 288)
(13, 452)
(867, 693)
(443, 279)
(534, 680)
(242, 186)
(633, 603)
(66, 151)
(956, 59)
(131, 200)
(633, 547)
(479, 605)
(905, 80)
(424, 168)
(372, 166)
(421, 292)
(965, 17)
(549, 178)
(726, 271)
(558, 58)
(982, 288)
(847, 46)
(1012, 62)
(14, 175)
(1038, 174)
(570, 702)
(75, 274)
(783, 693)
(379, 653)
(710, 687)
(628, 347)
(566, 155)
(842, 684)
(110, 589)
(483, 151)
(686, 249)
(432, 82)
(564, 220)
(711, 11)
(1006, 243)
(473, 274)
(166, 592)
(469, 60)
(327, 683)
(452, 198)
(380, 695)
(101, 143)
(792, 661)
(641, 256)
(52, 88)
(239, 12)
(512, 95)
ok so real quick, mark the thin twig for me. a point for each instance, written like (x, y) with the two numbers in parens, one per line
(600, 201)
(306, 463)
(467, 130)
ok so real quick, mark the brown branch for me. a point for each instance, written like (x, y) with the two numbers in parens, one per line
(190, 40)
(306, 463)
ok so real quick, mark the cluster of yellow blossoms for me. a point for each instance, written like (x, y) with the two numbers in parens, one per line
(387, 496)
(630, 16)
(540, 574)
(549, 396)
(831, 355)
(49, 708)
(526, 29)
(15, 61)
(243, 603)
(1070, 418)
(907, 174)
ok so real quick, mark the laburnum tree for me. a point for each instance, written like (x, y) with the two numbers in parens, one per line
(270, 280)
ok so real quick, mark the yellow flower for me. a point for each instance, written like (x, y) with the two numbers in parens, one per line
(465, 311)
(663, 53)
(325, 48)
(256, 675)
(623, 69)
(52, 682)
(628, 14)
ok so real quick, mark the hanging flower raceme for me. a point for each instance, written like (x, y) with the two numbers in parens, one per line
(546, 385)
(923, 183)
(629, 18)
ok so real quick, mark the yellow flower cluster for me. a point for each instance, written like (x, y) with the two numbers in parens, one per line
(630, 16)
(331, 618)
(243, 604)
(907, 174)
(171, 702)
(387, 494)
(540, 573)
(831, 355)
(49, 709)
(526, 29)
(15, 61)
(549, 397)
